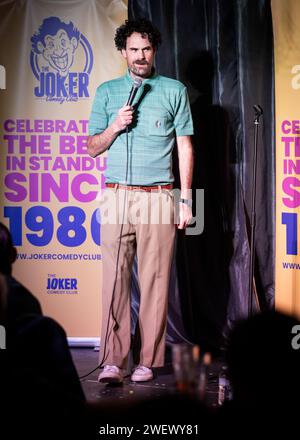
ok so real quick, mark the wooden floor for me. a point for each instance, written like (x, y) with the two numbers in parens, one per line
(86, 359)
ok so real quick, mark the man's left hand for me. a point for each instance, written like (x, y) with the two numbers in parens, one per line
(185, 215)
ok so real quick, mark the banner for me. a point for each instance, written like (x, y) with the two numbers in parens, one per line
(54, 55)
(286, 23)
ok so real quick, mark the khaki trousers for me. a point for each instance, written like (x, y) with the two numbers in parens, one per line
(148, 230)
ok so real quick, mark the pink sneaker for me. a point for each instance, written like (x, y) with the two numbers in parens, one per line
(110, 374)
(141, 374)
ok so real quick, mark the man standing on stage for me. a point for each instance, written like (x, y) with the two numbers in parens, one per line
(139, 139)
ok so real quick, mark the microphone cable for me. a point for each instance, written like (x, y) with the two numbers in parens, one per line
(111, 311)
(136, 85)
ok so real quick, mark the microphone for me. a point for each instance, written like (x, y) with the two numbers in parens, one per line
(258, 110)
(135, 86)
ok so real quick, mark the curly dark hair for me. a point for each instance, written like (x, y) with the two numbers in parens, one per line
(142, 26)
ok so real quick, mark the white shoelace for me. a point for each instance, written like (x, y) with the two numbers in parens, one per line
(111, 368)
(142, 369)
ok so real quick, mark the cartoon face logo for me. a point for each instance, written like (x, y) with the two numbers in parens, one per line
(59, 51)
(57, 42)
(56, 47)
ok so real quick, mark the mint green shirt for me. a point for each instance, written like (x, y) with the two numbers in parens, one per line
(162, 113)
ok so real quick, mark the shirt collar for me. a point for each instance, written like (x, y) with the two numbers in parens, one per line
(130, 80)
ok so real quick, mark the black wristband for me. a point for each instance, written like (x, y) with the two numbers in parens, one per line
(188, 202)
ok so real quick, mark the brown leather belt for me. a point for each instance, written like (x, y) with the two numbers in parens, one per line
(139, 187)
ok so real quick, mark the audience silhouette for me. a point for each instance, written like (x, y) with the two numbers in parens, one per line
(263, 368)
(40, 385)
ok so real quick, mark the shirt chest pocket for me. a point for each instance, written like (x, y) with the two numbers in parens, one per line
(159, 125)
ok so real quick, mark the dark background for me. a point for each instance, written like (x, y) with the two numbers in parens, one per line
(222, 50)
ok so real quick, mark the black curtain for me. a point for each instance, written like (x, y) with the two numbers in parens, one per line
(222, 50)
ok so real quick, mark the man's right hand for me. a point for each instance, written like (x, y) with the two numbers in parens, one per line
(124, 118)
(98, 143)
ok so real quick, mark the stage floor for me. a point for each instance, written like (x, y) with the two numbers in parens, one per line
(86, 359)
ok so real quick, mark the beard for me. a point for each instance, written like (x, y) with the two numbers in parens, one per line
(142, 69)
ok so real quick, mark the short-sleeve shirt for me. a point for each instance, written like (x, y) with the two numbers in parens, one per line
(162, 112)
